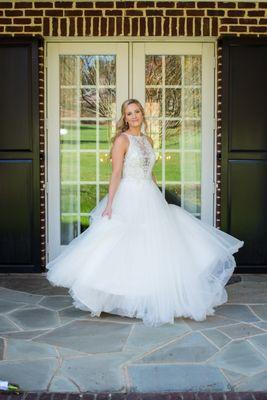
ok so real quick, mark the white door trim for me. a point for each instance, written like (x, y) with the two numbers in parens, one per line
(123, 48)
(206, 50)
(53, 123)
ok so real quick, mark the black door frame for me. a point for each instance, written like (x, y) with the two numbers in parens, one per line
(13, 156)
(228, 155)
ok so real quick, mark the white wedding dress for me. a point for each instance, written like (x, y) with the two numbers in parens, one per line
(151, 260)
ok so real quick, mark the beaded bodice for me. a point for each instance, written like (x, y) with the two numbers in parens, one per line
(139, 158)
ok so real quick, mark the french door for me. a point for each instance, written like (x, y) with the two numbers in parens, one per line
(87, 84)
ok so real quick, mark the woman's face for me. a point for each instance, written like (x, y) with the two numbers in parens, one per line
(133, 116)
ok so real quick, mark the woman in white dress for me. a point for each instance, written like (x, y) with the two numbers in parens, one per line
(142, 257)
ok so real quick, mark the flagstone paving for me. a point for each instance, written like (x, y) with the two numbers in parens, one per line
(46, 344)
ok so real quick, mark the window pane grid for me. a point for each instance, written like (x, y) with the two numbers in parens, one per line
(173, 102)
(87, 121)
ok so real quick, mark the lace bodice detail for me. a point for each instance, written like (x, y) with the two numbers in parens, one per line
(139, 158)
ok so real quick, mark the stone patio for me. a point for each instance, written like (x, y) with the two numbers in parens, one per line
(48, 345)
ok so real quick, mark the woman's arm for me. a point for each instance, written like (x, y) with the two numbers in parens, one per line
(118, 150)
(152, 144)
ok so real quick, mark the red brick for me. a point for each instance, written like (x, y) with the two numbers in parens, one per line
(158, 31)
(206, 27)
(54, 13)
(236, 13)
(248, 21)
(174, 12)
(229, 21)
(55, 26)
(258, 29)
(151, 13)
(133, 12)
(43, 4)
(165, 4)
(166, 26)
(63, 26)
(33, 13)
(46, 27)
(174, 26)
(145, 4)
(254, 13)
(142, 22)
(198, 13)
(22, 21)
(71, 26)
(5, 20)
(135, 26)
(80, 23)
(14, 28)
(217, 13)
(104, 4)
(197, 22)
(23, 4)
(181, 26)
(103, 26)
(214, 27)
(206, 4)
(73, 13)
(13, 13)
(119, 25)
(124, 4)
(222, 4)
(33, 28)
(246, 5)
(96, 26)
(185, 4)
(115, 12)
(88, 26)
(81, 4)
(94, 13)
(126, 26)
(150, 26)
(63, 4)
(189, 26)
(263, 21)
(6, 4)
(111, 26)
(237, 29)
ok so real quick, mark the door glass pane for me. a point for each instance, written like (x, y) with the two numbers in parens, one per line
(173, 108)
(87, 123)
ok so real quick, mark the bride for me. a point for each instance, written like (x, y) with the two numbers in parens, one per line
(142, 257)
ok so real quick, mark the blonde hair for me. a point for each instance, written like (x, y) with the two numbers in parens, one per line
(122, 125)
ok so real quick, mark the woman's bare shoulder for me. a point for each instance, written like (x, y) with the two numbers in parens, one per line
(121, 140)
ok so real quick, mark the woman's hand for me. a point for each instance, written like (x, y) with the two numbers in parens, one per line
(107, 211)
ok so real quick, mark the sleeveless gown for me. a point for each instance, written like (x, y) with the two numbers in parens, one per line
(151, 260)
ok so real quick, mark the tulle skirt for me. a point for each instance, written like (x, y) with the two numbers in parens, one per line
(151, 260)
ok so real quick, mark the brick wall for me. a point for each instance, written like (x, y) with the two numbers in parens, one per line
(133, 18)
(130, 18)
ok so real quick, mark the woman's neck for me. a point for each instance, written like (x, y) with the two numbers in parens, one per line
(135, 131)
